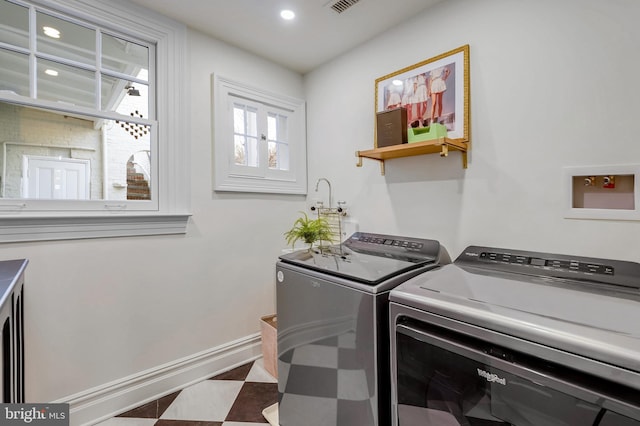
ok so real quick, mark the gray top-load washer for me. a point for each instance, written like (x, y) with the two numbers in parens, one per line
(536, 339)
(333, 333)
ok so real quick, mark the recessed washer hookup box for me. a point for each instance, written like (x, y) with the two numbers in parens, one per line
(391, 127)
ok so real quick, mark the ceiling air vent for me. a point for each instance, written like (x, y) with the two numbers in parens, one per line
(340, 6)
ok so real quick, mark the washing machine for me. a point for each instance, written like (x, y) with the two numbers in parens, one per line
(512, 337)
(333, 327)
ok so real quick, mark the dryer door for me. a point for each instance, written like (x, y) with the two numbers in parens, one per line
(447, 379)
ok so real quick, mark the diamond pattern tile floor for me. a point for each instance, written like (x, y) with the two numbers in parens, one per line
(234, 398)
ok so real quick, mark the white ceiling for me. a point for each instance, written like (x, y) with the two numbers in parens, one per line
(317, 35)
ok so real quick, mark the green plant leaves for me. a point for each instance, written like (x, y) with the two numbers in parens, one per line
(309, 231)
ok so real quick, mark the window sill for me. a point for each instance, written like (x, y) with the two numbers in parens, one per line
(21, 229)
(259, 185)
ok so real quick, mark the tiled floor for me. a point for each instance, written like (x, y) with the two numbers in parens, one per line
(234, 398)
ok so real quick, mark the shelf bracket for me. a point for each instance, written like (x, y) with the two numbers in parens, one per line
(444, 152)
(359, 163)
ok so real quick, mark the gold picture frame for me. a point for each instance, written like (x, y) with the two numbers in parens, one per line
(434, 90)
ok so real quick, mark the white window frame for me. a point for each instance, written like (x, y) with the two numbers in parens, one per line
(27, 220)
(230, 177)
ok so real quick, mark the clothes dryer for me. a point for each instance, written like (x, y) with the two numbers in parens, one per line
(510, 337)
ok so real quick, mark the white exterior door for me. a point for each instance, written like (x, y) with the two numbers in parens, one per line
(51, 178)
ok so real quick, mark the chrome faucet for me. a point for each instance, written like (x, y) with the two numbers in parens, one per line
(328, 183)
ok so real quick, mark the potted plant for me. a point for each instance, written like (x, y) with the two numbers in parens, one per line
(309, 230)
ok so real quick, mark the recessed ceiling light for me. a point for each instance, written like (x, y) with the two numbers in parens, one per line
(51, 32)
(51, 72)
(287, 14)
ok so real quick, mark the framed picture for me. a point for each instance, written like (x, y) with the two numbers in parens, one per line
(434, 91)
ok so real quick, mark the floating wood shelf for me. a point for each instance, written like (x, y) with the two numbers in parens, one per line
(441, 146)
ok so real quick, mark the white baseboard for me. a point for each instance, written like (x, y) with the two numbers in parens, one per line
(103, 402)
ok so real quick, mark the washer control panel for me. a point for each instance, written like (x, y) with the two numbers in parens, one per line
(389, 241)
(391, 245)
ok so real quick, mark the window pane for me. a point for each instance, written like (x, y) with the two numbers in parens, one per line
(245, 120)
(57, 82)
(272, 128)
(283, 131)
(252, 122)
(129, 168)
(240, 150)
(238, 120)
(252, 151)
(14, 24)
(65, 39)
(245, 129)
(278, 147)
(138, 176)
(62, 157)
(246, 151)
(125, 57)
(278, 156)
(14, 72)
(277, 127)
(125, 97)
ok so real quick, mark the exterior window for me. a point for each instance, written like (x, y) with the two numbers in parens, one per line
(260, 140)
(79, 125)
(85, 100)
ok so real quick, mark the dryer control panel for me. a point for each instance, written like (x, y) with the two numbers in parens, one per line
(605, 271)
(559, 264)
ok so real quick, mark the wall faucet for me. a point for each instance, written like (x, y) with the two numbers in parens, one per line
(328, 183)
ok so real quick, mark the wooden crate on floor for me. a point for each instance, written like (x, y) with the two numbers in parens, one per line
(268, 330)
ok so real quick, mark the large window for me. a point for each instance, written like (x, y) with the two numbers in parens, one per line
(260, 140)
(81, 115)
(75, 108)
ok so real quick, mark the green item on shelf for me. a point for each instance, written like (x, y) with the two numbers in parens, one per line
(423, 134)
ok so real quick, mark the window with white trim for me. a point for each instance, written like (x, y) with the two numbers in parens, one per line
(87, 90)
(260, 140)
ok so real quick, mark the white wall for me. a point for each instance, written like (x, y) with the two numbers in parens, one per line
(98, 311)
(553, 84)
